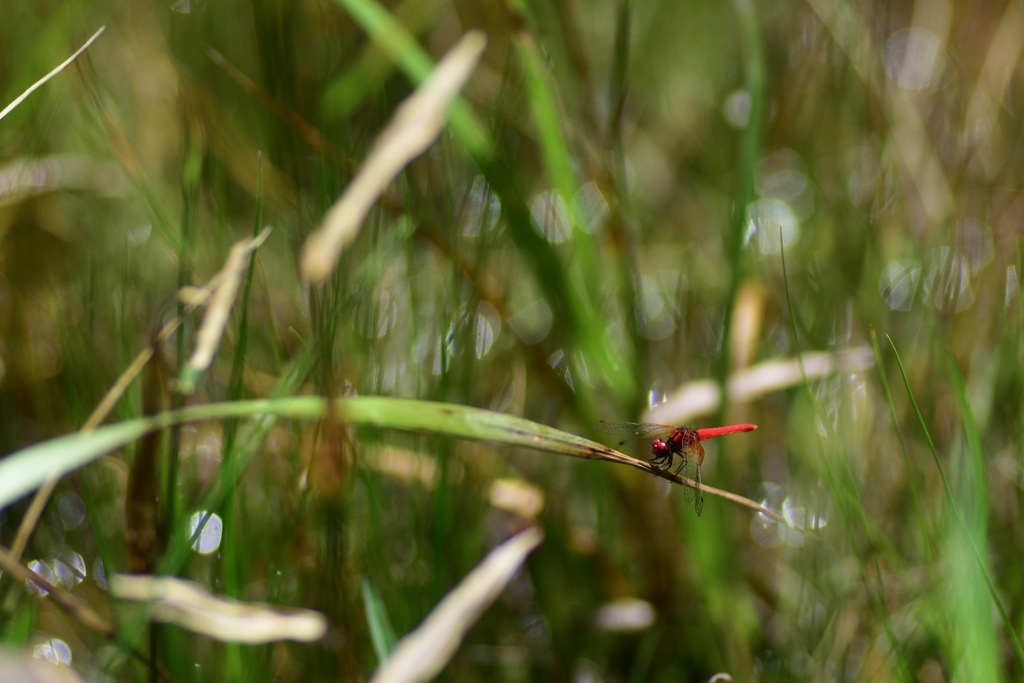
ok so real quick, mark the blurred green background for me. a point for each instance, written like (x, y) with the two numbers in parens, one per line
(620, 234)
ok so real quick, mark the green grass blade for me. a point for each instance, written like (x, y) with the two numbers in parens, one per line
(586, 330)
(25, 470)
(553, 145)
(971, 607)
(556, 153)
(750, 150)
(847, 496)
(345, 94)
(920, 513)
(416, 63)
(982, 568)
(381, 632)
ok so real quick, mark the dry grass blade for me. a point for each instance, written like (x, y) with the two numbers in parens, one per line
(702, 396)
(598, 452)
(64, 598)
(414, 127)
(198, 297)
(421, 655)
(32, 88)
(310, 135)
(24, 178)
(18, 667)
(915, 150)
(223, 289)
(192, 607)
(734, 497)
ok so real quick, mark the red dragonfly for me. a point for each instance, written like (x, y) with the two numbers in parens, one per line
(670, 441)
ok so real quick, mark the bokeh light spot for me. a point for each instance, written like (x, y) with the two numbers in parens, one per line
(482, 210)
(71, 510)
(766, 220)
(736, 109)
(913, 58)
(209, 538)
(69, 568)
(975, 243)
(43, 570)
(590, 207)
(54, 651)
(947, 283)
(898, 284)
(551, 216)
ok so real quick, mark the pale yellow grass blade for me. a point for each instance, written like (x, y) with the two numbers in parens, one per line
(32, 88)
(415, 126)
(190, 606)
(23, 667)
(421, 654)
(221, 293)
(701, 397)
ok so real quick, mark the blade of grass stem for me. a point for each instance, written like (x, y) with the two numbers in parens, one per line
(586, 330)
(847, 495)
(969, 607)
(191, 606)
(557, 157)
(424, 652)
(344, 95)
(415, 126)
(628, 264)
(191, 174)
(915, 493)
(955, 509)
(27, 468)
(32, 88)
(64, 598)
(381, 632)
(750, 149)
(231, 544)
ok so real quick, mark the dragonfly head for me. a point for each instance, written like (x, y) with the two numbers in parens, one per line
(660, 449)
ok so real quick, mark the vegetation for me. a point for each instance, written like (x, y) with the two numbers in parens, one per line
(800, 215)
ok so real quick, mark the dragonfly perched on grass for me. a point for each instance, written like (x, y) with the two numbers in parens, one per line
(668, 442)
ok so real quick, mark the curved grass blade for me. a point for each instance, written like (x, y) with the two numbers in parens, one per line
(23, 471)
(421, 654)
(32, 88)
(416, 124)
(191, 606)
(847, 494)
(382, 633)
(983, 570)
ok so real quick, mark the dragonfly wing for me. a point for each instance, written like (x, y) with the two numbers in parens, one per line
(690, 468)
(639, 439)
(631, 428)
(698, 495)
(686, 468)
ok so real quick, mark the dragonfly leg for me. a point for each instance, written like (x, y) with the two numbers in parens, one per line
(660, 463)
(682, 464)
